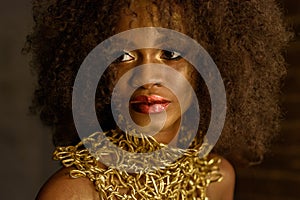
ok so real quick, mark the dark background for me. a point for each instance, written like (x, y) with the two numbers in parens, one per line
(278, 177)
(25, 145)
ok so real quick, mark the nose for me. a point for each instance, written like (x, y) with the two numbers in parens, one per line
(144, 76)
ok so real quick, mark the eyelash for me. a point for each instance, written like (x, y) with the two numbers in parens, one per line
(166, 55)
(173, 55)
(126, 56)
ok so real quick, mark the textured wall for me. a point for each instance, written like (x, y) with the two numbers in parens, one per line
(26, 146)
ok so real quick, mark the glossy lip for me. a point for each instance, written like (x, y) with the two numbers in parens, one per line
(149, 104)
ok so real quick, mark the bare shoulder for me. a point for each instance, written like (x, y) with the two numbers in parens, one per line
(223, 190)
(61, 186)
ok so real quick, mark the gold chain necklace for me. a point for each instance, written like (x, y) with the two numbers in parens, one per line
(186, 178)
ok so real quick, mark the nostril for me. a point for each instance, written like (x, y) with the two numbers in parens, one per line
(150, 85)
(139, 82)
(145, 85)
(158, 84)
(146, 76)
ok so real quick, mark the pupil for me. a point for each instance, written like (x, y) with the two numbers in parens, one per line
(169, 54)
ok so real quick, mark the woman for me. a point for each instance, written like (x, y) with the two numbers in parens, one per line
(245, 40)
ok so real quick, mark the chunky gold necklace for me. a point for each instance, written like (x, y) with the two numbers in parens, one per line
(186, 178)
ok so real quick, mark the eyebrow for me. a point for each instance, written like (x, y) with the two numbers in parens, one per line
(162, 42)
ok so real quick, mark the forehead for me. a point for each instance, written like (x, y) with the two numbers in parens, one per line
(144, 13)
(152, 37)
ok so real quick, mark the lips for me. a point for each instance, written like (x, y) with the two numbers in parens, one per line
(149, 104)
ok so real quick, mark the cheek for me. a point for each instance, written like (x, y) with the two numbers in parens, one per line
(187, 70)
(189, 87)
(184, 92)
(118, 71)
(190, 74)
(115, 74)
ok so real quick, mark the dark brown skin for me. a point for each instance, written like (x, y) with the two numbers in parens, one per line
(60, 186)
(245, 39)
(147, 56)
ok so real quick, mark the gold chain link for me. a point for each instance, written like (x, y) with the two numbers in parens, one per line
(186, 178)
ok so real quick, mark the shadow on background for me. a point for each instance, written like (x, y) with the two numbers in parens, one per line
(26, 146)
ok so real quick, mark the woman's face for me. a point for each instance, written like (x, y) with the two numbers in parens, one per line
(152, 97)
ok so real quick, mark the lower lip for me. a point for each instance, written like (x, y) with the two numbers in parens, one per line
(149, 108)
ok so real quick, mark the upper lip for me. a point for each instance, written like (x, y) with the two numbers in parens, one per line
(151, 99)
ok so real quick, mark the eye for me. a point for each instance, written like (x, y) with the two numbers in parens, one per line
(170, 55)
(126, 56)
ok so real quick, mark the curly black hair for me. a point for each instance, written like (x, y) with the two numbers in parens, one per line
(245, 39)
